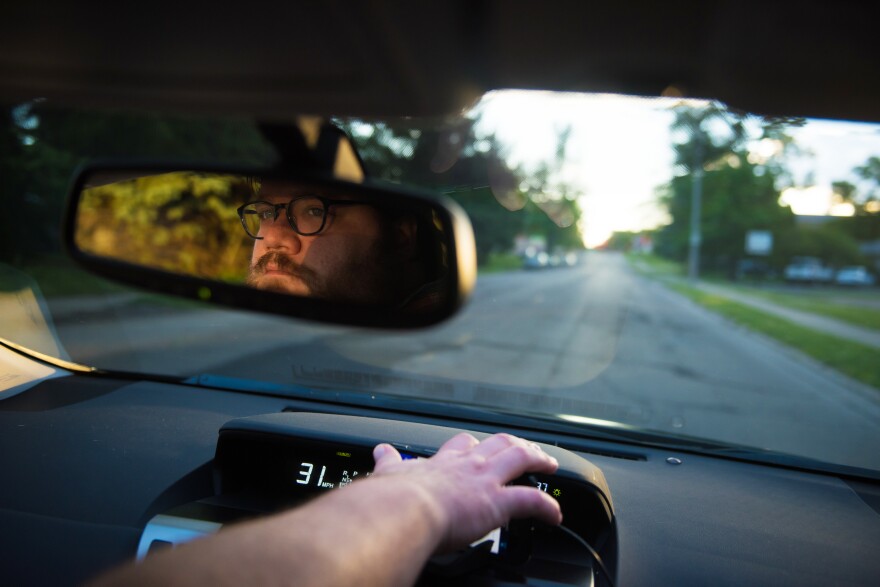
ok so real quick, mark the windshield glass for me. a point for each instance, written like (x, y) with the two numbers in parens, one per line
(663, 265)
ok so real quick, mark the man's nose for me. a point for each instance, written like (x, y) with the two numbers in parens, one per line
(278, 234)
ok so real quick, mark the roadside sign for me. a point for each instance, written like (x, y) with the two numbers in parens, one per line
(759, 242)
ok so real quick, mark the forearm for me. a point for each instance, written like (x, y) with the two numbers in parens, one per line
(377, 531)
(374, 532)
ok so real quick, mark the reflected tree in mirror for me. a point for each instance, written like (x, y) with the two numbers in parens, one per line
(329, 241)
(183, 222)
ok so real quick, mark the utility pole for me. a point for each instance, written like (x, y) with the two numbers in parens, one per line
(696, 204)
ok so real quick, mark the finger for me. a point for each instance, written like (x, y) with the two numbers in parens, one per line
(385, 455)
(462, 441)
(499, 442)
(513, 461)
(518, 501)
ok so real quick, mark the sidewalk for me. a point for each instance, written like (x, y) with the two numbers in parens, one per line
(823, 324)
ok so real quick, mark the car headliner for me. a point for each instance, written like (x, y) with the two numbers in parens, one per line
(397, 57)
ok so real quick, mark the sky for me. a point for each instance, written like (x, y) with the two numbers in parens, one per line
(620, 151)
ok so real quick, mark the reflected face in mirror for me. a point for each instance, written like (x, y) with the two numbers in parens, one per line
(329, 246)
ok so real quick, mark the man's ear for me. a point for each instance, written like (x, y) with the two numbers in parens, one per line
(406, 236)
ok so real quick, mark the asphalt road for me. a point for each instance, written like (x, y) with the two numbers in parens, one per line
(594, 341)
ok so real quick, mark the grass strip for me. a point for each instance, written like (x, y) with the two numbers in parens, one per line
(856, 315)
(498, 262)
(854, 359)
(654, 265)
(865, 317)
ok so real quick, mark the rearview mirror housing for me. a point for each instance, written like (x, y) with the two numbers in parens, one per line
(281, 242)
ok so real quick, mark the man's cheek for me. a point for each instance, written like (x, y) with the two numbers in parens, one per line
(257, 252)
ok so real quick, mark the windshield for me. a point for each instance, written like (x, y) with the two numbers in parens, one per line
(654, 265)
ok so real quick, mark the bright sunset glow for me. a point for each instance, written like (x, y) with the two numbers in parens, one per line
(596, 234)
(815, 201)
(620, 151)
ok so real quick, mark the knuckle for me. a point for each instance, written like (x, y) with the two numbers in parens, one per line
(465, 436)
(479, 464)
(509, 439)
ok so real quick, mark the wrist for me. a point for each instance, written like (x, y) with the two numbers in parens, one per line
(413, 502)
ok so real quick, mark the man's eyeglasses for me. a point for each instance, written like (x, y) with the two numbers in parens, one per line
(306, 215)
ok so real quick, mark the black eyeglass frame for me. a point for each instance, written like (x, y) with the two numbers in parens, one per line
(326, 202)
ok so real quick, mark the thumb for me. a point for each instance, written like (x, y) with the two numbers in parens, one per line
(385, 455)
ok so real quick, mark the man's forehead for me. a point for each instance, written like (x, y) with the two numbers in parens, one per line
(273, 190)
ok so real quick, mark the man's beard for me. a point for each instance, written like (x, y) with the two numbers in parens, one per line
(305, 277)
(371, 278)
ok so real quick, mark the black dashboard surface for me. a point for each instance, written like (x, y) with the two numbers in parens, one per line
(87, 462)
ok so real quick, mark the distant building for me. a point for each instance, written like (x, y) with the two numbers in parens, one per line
(529, 244)
(643, 243)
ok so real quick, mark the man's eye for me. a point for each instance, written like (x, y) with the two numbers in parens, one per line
(315, 212)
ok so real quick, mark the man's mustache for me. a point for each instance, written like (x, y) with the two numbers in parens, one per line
(282, 263)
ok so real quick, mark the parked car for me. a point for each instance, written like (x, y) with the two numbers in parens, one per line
(537, 260)
(854, 276)
(807, 270)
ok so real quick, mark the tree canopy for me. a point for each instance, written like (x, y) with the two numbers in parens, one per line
(454, 159)
(741, 186)
(41, 147)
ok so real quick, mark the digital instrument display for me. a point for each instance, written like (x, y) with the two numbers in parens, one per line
(307, 466)
(264, 471)
(292, 469)
(337, 470)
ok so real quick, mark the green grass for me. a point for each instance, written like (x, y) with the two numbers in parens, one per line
(854, 359)
(654, 265)
(823, 304)
(499, 262)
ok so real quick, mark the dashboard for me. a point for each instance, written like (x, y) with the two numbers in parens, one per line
(97, 468)
(275, 461)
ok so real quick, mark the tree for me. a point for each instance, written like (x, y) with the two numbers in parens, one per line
(829, 243)
(864, 225)
(844, 191)
(707, 135)
(13, 183)
(41, 147)
(456, 160)
(737, 199)
(554, 197)
(870, 170)
(740, 192)
(184, 222)
(693, 154)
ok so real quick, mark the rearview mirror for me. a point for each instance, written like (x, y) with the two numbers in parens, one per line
(292, 244)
